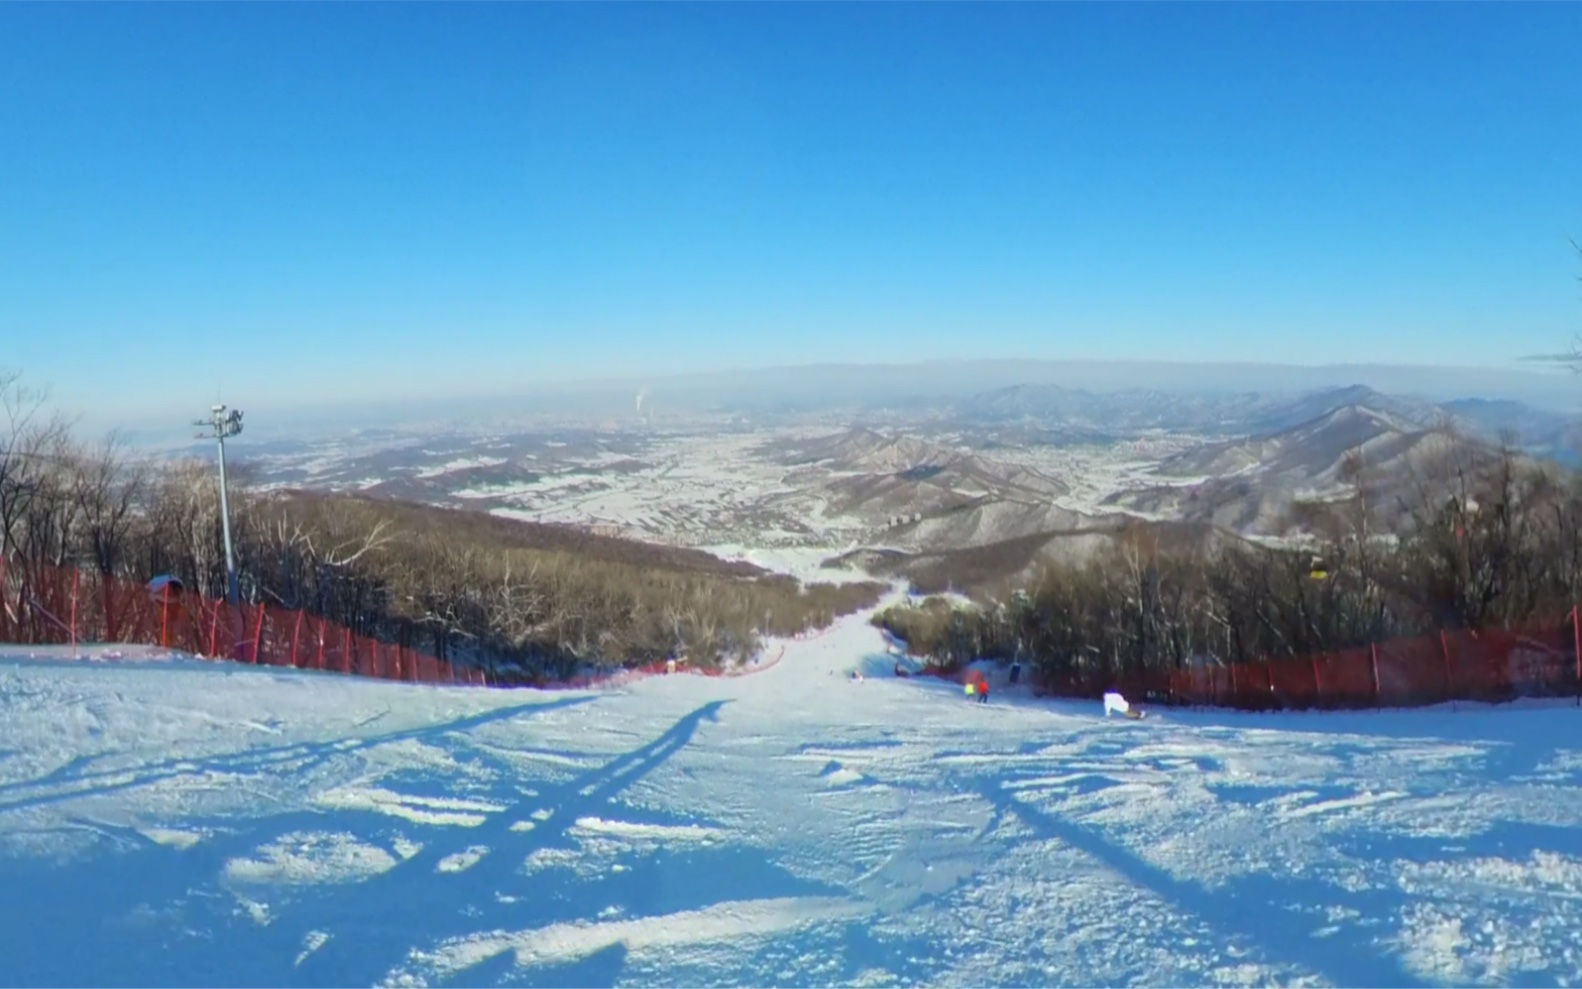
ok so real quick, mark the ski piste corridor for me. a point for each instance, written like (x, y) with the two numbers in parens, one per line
(167, 821)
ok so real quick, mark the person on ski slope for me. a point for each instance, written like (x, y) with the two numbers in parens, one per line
(1114, 701)
(977, 686)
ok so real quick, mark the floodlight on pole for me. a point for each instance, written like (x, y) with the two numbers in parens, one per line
(225, 423)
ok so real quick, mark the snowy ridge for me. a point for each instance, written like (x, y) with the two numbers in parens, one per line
(214, 823)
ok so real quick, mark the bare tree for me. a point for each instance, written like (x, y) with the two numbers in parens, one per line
(30, 439)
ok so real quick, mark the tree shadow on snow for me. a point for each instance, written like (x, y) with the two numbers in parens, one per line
(1517, 724)
(74, 780)
(122, 917)
(1254, 909)
(158, 915)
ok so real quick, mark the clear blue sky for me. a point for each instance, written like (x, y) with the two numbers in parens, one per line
(353, 200)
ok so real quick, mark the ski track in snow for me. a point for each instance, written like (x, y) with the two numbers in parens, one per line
(181, 823)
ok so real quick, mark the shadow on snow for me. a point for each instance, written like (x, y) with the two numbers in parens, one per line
(1254, 909)
(79, 782)
(164, 916)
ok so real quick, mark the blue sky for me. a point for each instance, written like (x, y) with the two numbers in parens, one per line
(331, 203)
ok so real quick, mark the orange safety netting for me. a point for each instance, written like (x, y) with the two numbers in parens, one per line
(1476, 665)
(46, 604)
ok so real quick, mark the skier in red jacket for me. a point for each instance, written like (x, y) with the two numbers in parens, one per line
(978, 686)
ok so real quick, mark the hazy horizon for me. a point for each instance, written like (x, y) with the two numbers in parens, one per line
(842, 387)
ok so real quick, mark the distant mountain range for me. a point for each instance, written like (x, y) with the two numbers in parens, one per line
(856, 385)
(986, 483)
(1266, 466)
(920, 388)
(1116, 414)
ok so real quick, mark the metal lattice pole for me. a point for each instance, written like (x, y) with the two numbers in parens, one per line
(226, 424)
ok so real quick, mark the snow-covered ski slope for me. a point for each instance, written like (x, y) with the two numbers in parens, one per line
(181, 823)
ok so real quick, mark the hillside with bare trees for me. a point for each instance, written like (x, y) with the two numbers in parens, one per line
(1489, 542)
(465, 586)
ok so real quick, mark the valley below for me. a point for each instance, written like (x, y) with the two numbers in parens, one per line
(976, 494)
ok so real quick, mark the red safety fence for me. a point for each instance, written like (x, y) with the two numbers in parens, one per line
(44, 604)
(1470, 665)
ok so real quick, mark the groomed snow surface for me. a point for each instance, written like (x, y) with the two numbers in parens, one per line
(173, 822)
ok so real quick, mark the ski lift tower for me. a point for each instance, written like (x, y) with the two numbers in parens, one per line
(225, 425)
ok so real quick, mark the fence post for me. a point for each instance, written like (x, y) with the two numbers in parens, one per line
(1318, 684)
(214, 630)
(258, 631)
(1576, 636)
(76, 580)
(349, 660)
(296, 633)
(1444, 650)
(108, 603)
(1378, 694)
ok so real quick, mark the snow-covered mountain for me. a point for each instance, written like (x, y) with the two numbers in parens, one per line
(1313, 451)
(1252, 486)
